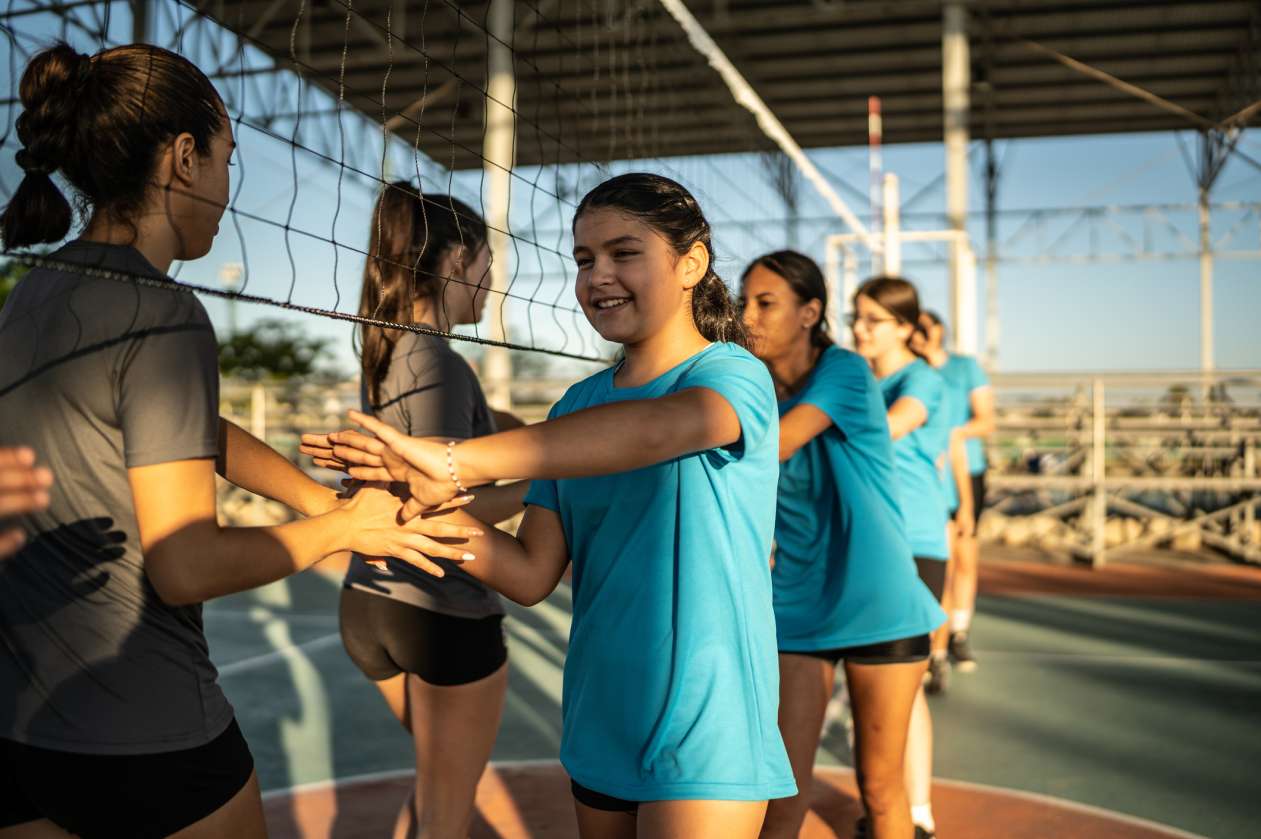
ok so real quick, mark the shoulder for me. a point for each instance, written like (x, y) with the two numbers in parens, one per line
(723, 360)
(582, 393)
(841, 365)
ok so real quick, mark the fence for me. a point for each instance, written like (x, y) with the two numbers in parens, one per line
(1088, 464)
(1104, 463)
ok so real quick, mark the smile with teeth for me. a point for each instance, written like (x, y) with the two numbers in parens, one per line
(611, 302)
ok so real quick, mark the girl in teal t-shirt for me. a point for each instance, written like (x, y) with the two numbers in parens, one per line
(886, 316)
(656, 480)
(845, 586)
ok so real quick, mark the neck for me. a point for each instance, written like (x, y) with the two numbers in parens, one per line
(791, 369)
(427, 311)
(157, 242)
(649, 358)
(888, 363)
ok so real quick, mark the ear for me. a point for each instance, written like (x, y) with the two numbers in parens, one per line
(694, 265)
(454, 261)
(905, 331)
(184, 160)
(811, 313)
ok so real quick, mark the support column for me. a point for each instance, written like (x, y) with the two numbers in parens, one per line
(1206, 287)
(991, 257)
(955, 81)
(139, 21)
(892, 232)
(499, 151)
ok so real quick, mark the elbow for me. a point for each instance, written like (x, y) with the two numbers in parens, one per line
(172, 585)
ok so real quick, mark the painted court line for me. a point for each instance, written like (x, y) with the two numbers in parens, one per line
(1113, 658)
(1034, 797)
(252, 662)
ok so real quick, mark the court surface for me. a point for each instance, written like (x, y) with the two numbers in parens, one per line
(1121, 703)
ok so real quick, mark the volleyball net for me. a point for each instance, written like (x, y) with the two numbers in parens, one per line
(515, 108)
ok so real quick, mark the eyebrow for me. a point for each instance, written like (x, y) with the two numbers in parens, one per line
(620, 240)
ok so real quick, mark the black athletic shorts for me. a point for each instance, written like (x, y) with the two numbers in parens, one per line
(901, 651)
(385, 637)
(978, 500)
(933, 573)
(600, 801)
(110, 796)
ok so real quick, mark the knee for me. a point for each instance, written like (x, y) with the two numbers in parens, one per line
(882, 787)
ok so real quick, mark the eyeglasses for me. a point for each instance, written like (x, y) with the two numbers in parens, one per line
(867, 321)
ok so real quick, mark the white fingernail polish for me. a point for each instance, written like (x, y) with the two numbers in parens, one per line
(467, 557)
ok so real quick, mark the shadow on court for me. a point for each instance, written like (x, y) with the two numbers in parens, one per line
(1136, 705)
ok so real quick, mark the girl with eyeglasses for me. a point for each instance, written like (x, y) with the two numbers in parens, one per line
(886, 315)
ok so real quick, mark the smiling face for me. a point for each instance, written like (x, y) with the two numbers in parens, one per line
(778, 321)
(631, 283)
(876, 330)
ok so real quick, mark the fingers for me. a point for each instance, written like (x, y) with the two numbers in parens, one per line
(384, 431)
(11, 541)
(23, 478)
(419, 560)
(414, 508)
(355, 456)
(418, 542)
(443, 530)
(370, 474)
(353, 439)
(19, 457)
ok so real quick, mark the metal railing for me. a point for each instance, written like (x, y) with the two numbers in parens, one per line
(1110, 462)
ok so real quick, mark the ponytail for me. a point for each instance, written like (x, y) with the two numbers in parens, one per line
(101, 120)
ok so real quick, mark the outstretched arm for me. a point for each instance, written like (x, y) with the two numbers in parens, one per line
(617, 437)
(524, 569)
(255, 466)
(798, 427)
(964, 519)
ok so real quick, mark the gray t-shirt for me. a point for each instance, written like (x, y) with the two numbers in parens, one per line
(99, 376)
(429, 391)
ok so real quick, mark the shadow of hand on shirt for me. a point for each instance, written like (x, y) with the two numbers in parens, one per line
(72, 562)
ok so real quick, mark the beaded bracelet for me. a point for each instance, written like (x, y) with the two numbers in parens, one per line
(455, 479)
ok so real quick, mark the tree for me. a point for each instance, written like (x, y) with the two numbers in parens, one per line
(10, 273)
(271, 349)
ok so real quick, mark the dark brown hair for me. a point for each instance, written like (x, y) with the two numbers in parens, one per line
(895, 294)
(669, 209)
(101, 121)
(805, 279)
(411, 233)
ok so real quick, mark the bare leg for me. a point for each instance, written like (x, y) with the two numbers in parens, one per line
(919, 754)
(963, 578)
(603, 824)
(240, 818)
(454, 730)
(42, 829)
(805, 686)
(394, 691)
(700, 819)
(882, 696)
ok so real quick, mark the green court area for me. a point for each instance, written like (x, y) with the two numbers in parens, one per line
(1148, 706)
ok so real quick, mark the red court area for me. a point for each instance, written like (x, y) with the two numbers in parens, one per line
(531, 800)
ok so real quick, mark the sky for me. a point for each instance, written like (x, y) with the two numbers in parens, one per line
(1079, 316)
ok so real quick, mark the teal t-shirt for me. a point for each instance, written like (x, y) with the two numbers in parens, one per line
(963, 375)
(919, 457)
(672, 679)
(843, 573)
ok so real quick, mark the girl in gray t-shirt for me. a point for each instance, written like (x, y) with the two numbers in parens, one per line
(112, 722)
(434, 647)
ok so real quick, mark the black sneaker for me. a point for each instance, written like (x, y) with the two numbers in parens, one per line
(961, 652)
(937, 679)
(924, 833)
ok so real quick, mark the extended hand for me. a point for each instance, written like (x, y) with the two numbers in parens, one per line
(377, 528)
(23, 489)
(422, 463)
